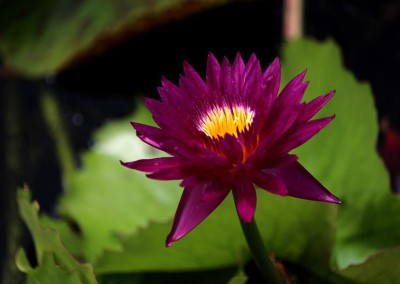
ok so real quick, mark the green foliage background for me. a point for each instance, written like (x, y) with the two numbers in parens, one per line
(124, 218)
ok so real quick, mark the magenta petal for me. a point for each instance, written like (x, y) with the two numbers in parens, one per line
(272, 78)
(269, 183)
(212, 74)
(213, 188)
(232, 149)
(149, 134)
(238, 70)
(225, 75)
(156, 107)
(169, 91)
(245, 198)
(285, 119)
(192, 210)
(300, 183)
(153, 165)
(289, 92)
(283, 160)
(315, 106)
(303, 133)
(173, 173)
(194, 77)
(252, 82)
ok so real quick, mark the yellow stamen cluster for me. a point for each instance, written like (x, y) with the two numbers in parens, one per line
(220, 121)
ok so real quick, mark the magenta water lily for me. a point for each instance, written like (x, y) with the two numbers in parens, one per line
(231, 132)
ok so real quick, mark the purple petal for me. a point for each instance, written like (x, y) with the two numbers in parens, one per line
(194, 77)
(238, 70)
(252, 81)
(149, 134)
(300, 183)
(226, 80)
(292, 92)
(275, 162)
(180, 130)
(231, 148)
(301, 134)
(192, 210)
(272, 78)
(284, 119)
(194, 97)
(245, 198)
(214, 187)
(169, 91)
(212, 74)
(157, 138)
(153, 165)
(172, 173)
(269, 88)
(315, 106)
(250, 65)
(156, 107)
(269, 182)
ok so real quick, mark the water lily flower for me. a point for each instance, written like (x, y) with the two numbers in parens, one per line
(231, 132)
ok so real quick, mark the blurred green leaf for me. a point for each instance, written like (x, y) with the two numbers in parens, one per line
(71, 239)
(382, 267)
(55, 263)
(44, 36)
(205, 248)
(219, 242)
(105, 198)
(240, 278)
(344, 155)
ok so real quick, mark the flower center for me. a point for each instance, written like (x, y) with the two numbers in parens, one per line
(220, 121)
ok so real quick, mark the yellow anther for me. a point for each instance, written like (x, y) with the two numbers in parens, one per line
(220, 121)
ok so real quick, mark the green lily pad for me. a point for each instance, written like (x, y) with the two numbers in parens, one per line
(382, 267)
(55, 263)
(219, 242)
(45, 36)
(105, 198)
(344, 155)
(240, 278)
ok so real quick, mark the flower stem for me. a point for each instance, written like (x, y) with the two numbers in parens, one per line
(260, 254)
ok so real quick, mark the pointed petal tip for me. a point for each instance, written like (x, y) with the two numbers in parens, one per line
(327, 120)
(225, 62)
(276, 60)
(163, 80)
(329, 198)
(333, 199)
(212, 65)
(169, 241)
(127, 165)
(187, 67)
(253, 56)
(275, 64)
(302, 75)
(211, 56)
(328, 96)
